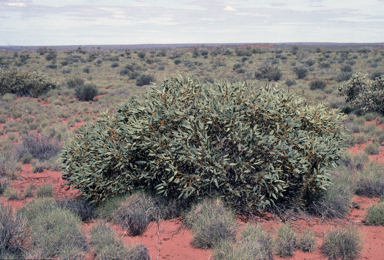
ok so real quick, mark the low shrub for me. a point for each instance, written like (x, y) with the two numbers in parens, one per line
(343, 76)
(77, 205)
(268, 71)
(306, 241)
(346, 68)
(11, 193)
(57, 233)
(51, 66)
(9, 165)
(375, 215)
(45, 190)
(87, 70)
(38, 206)
(108, 246)
(73, 83)
(301, 72)
(114, 64)
(3, 186)
(376, 74)
(86, 92)
(28, 191)
(14, 233)
(372, 149)
(285, 241)
(211, 223)
(290, 82)
(317, 84)
(255, 243)
(336, 201)
(354, 162)
(342, 243)
(370, 180)
(135, 213)
(39, 146)
(144, 79)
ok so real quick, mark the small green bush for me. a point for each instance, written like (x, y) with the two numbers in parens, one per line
(144, 79)
(77, 205)
(108, 246)
(57, 233)
(73, 83)
(255, 243)
(3, 186)
(285, 241)
(86, 92)
(38, 146)
(135, 213)
(301, 72)
(268, 71)
(317, 84)
(211, 223)
(343, 76)
(342, 243)
(13, 233)
(372, 149)
(375, 215)
(363, 93)
(11, 193)
(370, 180)
(290, 82)
(24, 83)
(45, 190)
(306, 241)
(336, 201)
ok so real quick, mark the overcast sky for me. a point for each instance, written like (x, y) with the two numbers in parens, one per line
(99, 22)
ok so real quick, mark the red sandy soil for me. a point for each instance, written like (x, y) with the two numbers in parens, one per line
(172, 240)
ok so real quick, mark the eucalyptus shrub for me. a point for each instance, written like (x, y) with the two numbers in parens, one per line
(364, 94)
(23, 83)
(246, 144)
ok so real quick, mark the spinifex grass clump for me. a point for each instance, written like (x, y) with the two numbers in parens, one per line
(247, 144)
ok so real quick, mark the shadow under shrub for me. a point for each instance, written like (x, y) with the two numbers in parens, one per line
(249, 145)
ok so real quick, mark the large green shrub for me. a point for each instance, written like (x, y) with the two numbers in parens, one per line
(364, 93)
(246, 144)
(23, 83)
(269, 71)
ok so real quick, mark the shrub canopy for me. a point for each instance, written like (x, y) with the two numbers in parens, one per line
(246, 144)
(23, 83)
(363, 93)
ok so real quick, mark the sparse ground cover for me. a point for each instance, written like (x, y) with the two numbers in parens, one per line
(33, 130)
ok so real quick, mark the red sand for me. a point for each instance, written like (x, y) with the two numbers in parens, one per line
(175, 239)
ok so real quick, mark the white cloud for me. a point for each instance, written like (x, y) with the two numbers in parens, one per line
(15, 4)
(230, 9)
